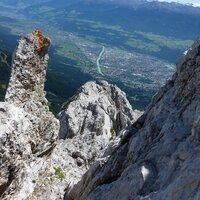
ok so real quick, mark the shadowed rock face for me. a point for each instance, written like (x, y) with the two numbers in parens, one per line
(160, 160)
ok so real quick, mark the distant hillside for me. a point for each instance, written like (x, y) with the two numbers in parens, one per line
(163, 30)
(7, 45)
(21, 3)
(142, 42)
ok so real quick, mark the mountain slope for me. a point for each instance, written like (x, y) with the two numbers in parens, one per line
(34, 164)
(7, 45)
(141, 36)
(20, 3)
(159, 157)
(160, 29)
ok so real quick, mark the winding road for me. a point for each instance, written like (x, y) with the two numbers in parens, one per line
(98, 61)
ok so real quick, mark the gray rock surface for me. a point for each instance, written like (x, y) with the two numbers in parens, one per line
(89, 121)
(19, 167)
(28, 131)
(159, 157)
(34, 165)
(99, 109)
(26, 88)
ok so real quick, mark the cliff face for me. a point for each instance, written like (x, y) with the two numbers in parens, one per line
(159, 157)
(156, 157)
(101, 109)
(89, 121)
(33, 163)
(28, 131)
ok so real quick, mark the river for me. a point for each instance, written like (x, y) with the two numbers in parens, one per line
(98, 60)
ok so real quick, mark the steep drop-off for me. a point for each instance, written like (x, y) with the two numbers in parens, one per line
(93, 155)
(34, 163)
(160, 157)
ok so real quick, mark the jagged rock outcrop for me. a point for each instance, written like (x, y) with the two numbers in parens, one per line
(101, 109)
(28, 131)
(26, 87)
(159, 157)
(88, 122)
(33, 163)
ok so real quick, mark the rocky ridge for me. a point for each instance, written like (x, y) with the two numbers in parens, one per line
(102, 109)
(26, 88)
(159, 156)
(89, 121)
(156, 157)
(34, 164)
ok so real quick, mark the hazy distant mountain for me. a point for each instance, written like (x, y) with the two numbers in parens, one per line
(132, 3)
(21, 3)
(57, 3)
(168, 19)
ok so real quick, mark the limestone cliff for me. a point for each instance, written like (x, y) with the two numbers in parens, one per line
(102, 109)
(98, 157)
(34, 164)
(28, 131)
(89, 121)
(159, 157)
(26, 87)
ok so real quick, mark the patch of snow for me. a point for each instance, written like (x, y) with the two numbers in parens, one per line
(196, 5)
(188, 3)
(145, 172)
(185, 52)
